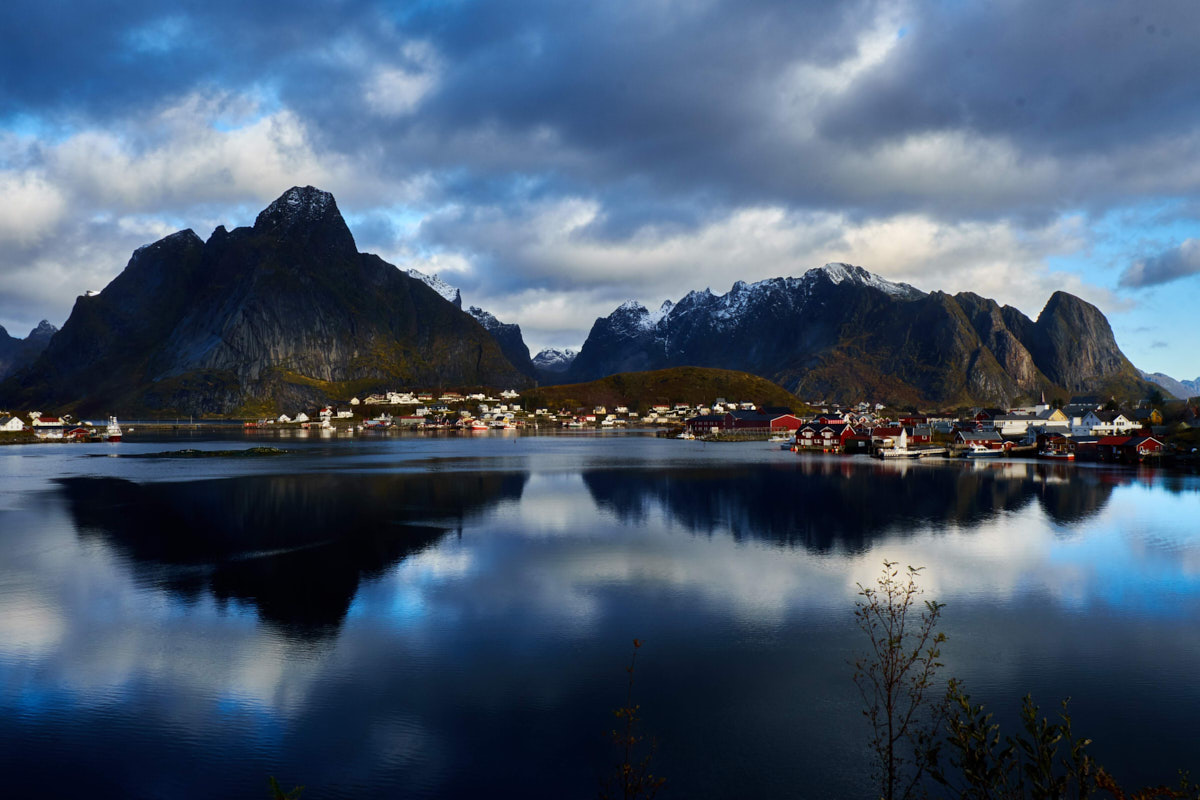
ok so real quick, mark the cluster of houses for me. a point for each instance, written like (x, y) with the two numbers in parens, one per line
(1082, 430)
(46, 426)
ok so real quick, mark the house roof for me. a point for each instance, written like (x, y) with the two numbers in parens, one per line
(1115, 441)
(980, 436)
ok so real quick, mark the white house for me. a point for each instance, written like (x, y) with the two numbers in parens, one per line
(284, 418)
(301, 417)
(11, 424)
(1113, 423)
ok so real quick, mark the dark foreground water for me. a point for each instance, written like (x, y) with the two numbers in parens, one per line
(451, 617)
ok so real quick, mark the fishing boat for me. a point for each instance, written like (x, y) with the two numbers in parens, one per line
(478, 425)
(1057, 455)
(113, 432)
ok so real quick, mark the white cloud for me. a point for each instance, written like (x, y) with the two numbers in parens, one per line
(32, 206)
(554, 272)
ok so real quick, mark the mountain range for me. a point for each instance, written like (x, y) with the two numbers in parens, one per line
(283, 314)
(288, 313)
(17, 353)
(841, 333)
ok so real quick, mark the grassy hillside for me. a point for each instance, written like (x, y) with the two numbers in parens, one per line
(641, 390)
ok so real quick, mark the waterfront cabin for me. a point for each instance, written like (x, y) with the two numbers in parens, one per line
(830, 438)
(11, 424)
(990, 439)
(785, 422)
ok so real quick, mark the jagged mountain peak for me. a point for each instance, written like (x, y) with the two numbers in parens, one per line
(554, 360)
(184, 237)
(435, 282)
(308, 216)
(484, 318)
(839, 271)
(299, 203)
(43, 330)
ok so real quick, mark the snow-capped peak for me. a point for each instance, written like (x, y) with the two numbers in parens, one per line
(653, 317)
(631, 312)
(487, 320)
(837, 272)
(438, 285)
(554, 360)
(299, 203)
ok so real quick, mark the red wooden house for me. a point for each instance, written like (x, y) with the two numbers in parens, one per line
(827, 438)
(786, 422)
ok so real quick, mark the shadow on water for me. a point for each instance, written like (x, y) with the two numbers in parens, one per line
(296, 547)
(845, 503)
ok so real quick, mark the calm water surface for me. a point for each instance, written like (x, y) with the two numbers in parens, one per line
(450, 617)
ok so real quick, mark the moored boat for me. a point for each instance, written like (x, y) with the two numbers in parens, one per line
(981, 451)
(1057, 455)
(113, 432)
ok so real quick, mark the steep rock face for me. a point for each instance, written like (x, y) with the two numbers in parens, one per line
(17, 353)
(1073, 344)
(988, 320)
(508, 336)
(841, 333)
(286, 311)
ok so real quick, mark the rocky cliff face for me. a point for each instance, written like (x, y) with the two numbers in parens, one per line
(839, 332)
(281, 313)
(17, 353)
(1074, 345)
(508, 337)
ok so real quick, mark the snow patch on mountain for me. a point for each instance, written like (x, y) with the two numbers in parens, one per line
(438, 285)
(554, 360)
(837, 272)
(487, 320)
(299, 203)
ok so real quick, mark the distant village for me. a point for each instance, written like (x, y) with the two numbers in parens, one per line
(1085, 429)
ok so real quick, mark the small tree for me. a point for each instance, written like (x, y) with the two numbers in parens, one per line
(632, 777)
(896, 677)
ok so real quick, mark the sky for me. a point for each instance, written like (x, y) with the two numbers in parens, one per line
(554, 159)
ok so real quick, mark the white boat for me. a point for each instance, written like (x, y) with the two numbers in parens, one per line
(113, 432)
(981, 451)
(686, 435)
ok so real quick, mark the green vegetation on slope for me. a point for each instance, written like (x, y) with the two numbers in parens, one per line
(641, 390)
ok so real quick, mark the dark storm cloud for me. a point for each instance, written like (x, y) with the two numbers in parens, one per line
(657, 103)
(1170, 265)
(1066, 77)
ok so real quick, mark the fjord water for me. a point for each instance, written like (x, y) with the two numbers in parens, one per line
(451, 617)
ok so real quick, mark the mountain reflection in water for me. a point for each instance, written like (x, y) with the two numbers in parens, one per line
(296, 547)
(839, 503)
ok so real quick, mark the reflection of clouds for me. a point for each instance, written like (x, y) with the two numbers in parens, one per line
(28, 628)
(73, 613)
(551, 566)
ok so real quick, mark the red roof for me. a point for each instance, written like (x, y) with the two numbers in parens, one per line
(1114, 441)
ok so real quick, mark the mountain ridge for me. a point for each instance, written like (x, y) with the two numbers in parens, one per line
(281, 313)
(839, 332)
